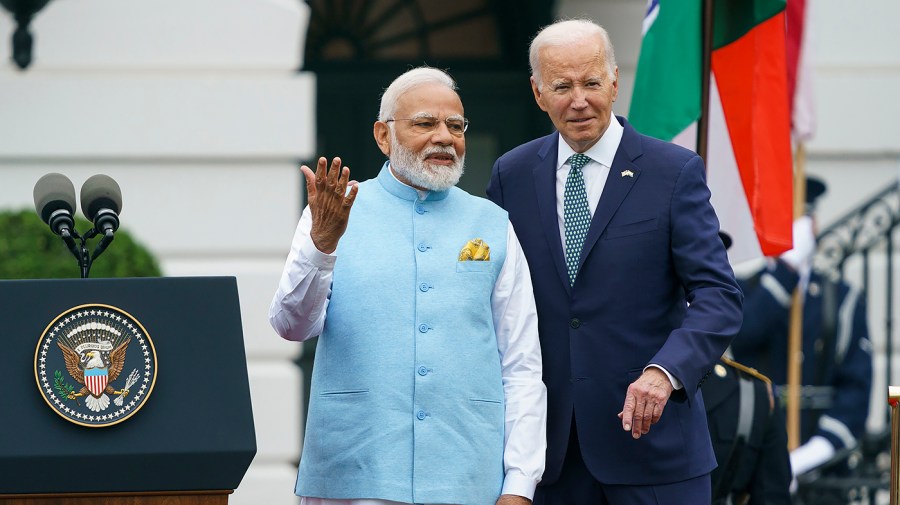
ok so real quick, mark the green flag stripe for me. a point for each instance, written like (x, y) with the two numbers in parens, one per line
(734, 18)
(666, 97)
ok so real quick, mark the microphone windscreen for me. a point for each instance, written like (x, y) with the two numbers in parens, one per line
(53, 192)
(100, 192)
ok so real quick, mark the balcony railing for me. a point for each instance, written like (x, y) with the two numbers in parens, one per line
(859, 249)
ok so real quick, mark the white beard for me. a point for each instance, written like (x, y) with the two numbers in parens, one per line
(412, 166)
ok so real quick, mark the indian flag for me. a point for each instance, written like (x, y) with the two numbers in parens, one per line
(749, 166)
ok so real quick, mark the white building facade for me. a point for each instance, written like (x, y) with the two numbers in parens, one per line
(197, 109)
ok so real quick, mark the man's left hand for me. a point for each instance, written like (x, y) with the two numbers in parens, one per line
(644, 402)
(511, 499)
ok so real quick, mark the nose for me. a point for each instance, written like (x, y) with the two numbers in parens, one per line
(441, 135)
(579, 98)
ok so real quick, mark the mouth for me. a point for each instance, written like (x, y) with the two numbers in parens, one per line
(440, 158)
(580, 120)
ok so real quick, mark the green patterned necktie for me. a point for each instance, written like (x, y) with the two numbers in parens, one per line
(576, 213)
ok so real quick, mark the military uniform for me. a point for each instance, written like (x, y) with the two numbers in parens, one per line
(837, 354)
(748, 436)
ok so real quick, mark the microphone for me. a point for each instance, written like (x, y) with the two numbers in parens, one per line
(54, 201)
(101, 202)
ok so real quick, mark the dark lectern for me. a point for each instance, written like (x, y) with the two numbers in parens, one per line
(191, 440)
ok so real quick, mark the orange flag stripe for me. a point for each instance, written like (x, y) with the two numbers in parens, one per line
(751, 74)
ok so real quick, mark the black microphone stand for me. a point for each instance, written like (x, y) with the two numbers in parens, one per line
(80, 249)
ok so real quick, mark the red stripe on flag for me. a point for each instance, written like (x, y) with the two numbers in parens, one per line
(752, 81)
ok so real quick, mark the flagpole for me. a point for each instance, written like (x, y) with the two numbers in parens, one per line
(795, 336)
(706, 66)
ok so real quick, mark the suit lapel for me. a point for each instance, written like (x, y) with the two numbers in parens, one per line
(544, 173)
(622, 176)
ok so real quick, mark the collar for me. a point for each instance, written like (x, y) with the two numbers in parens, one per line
(405, 192)
(602, 152)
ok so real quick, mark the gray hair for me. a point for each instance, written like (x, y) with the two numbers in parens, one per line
(409, 80)
(566, 32)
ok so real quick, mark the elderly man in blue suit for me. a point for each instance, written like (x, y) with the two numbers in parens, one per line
(635, 296)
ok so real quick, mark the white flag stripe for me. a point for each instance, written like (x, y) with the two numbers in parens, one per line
(687, 138)
(649, 18)
(804, 114)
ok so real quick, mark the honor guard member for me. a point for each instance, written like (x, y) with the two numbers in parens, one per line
(836, 373)
(748, 436)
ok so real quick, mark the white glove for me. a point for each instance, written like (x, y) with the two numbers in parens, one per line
(800, 257)
(810, 455)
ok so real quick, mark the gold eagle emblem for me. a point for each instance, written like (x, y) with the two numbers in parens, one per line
(88, 365)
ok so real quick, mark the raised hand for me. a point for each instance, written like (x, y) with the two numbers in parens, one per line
(329, 202)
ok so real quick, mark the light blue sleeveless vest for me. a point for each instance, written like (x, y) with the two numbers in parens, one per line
(407, 399)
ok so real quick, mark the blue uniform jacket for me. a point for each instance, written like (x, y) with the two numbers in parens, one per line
(837, 378)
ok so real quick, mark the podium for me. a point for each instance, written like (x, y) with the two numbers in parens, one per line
(191, 439)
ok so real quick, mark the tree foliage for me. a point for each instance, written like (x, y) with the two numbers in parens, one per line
(29, 250)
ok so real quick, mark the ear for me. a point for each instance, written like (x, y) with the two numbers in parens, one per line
(615, 85)
(537, 94)
(382, 137)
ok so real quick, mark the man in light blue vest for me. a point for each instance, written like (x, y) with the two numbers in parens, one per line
(426, 385)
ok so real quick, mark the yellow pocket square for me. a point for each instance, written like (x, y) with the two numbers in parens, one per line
(475, 250)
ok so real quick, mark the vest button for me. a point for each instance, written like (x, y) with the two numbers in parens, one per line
(422, 247)
(423, 328)
(420, 415)
(575, 323)
(420, 209)
(423, 371)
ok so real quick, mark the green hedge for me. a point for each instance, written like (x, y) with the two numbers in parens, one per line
(29, 250)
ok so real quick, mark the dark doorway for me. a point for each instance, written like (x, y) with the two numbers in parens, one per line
(356, 48)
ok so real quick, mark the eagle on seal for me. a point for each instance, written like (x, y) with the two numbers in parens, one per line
(95, 374)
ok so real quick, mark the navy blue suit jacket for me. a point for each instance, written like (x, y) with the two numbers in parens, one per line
(652, 249)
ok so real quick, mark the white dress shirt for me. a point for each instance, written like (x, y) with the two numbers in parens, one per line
(595, 171)
(595, 174)
(298, 313)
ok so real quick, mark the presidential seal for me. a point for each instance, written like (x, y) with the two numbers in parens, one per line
(95, 365)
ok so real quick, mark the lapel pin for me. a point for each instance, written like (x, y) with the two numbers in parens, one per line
(627, 173)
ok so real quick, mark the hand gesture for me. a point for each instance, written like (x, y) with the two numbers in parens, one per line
(329, 202)
(644, 401)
